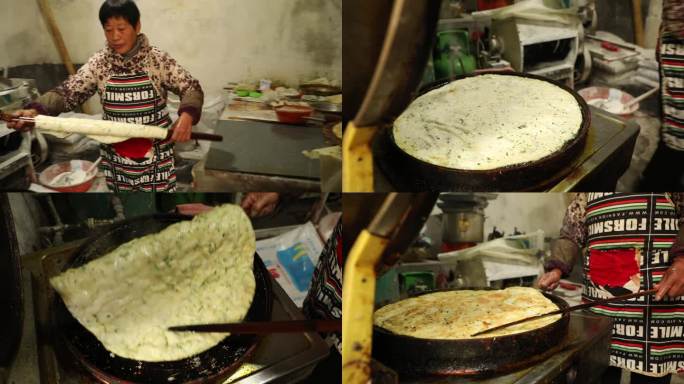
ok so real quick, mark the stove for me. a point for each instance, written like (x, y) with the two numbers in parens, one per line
(606, 156)
(581, 358)
(279, 358)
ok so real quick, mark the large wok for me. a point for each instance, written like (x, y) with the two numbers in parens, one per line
(415, 357)
(411, 174)
(212, 365)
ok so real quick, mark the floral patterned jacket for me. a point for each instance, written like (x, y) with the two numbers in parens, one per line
(166, 75)
(673, 18)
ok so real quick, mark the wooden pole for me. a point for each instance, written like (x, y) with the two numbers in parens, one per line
(638, 23)
(49, 17)
(56, 34)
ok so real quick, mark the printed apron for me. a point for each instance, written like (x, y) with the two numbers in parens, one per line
(137, 164)
(672, 90)
(629, 237)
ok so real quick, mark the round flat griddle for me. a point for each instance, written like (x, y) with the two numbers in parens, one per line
(409, 173)
(212, 365)
(416, 357)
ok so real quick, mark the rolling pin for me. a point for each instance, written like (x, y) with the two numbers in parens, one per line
(102, 130)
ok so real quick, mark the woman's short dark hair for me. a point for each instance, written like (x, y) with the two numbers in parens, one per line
(120, 8)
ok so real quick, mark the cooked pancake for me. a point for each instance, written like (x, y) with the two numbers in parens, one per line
(192, 272)
(459, 314)
(487, 122)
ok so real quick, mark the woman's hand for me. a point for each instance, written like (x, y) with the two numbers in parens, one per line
(258, 204)
(549, 280)
(672, 284)
(22, 125)
(183, 128)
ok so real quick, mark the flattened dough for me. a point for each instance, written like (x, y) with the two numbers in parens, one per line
(192, 272)
(104, 131)
(487, 122)
(459, 314)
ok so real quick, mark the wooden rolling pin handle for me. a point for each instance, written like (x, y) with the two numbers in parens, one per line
(205, 136)
(199, 136)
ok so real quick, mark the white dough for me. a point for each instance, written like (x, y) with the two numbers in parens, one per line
(487, 122)
(104, 131)
(192, 272)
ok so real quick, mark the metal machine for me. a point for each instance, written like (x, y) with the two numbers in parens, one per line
(397, 34)
(541, 48)
(16, 157)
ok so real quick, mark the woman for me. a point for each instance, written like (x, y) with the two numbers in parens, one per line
(629, 247)
(324, 301)
(133, 79)
(665, 171)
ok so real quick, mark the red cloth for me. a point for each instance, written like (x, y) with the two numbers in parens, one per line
(135, 148)
(483, 5)
(613, 267)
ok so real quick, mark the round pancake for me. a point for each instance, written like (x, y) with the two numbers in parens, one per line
(487, 122)
(459, 314)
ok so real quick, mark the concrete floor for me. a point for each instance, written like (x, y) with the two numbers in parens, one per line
(645, 147)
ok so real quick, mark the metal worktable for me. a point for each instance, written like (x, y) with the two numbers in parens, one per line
(260, 156)
(606, 156)
(582, 359)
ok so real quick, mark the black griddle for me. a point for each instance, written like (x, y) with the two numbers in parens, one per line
(212, 365)
(421, 176)
(417, 357)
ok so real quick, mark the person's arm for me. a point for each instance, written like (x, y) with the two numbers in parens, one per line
(178, 80)
(260, 204)
(567, 249)
(73, 92)
(672, 284)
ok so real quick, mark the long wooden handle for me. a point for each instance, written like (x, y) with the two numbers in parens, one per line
(568, 309)
(641, 97)
(265, 327)
(200, 136)
(56, 34)
(638, 23)
(205, 136)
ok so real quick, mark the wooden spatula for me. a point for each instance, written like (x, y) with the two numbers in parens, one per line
(265, 327)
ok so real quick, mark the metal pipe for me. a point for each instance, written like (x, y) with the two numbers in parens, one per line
(59, 225)
(118, 209)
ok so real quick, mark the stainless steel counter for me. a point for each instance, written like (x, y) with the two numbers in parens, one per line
(259, 154)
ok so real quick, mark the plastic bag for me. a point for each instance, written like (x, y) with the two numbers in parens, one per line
(520, 248)
(291, 259)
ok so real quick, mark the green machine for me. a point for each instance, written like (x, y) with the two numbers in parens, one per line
(452, 55)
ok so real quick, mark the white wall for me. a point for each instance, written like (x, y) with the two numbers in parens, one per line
(217, 40)
(527, 211)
